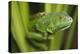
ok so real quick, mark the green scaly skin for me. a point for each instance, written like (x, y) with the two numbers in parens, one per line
(46, 24)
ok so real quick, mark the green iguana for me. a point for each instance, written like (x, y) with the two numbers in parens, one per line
(46, 24)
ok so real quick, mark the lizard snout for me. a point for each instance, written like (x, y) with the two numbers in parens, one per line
(70, 20)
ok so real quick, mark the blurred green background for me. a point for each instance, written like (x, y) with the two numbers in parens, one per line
(19, 23)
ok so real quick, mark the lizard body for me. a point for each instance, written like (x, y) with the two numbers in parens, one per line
(49, 23)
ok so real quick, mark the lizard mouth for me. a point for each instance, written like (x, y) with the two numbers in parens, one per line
(62, 28)
(58, 29)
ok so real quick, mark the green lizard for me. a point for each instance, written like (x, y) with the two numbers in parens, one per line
(46, 24)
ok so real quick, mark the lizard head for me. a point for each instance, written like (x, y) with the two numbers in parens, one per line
(52, 22)
(59, 22)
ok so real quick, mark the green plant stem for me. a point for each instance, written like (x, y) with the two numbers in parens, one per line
(24, 11)
(48, 7)
(59, 8)
(71, 31)
(17, 28)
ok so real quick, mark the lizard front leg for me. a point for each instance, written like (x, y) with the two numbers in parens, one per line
(37, 41)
